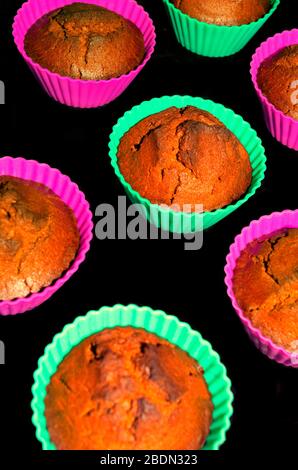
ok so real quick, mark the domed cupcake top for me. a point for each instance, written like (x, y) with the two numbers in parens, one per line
(125, 388)
(278, 80)
(39, 237)
(85, 41)
(185, 157)
(265, 284)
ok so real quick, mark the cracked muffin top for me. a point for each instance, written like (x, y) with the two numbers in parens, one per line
(183, 158)
(265, 285)
(278, 80)
(85, 41)
(225, 12)
(127, 389)
(39, 237)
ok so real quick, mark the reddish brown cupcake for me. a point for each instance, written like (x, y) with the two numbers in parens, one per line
(278, 80)
(39, 237)
(184, 157)
(85, 41)
(265, 285)
(127, 389)
(226, 12)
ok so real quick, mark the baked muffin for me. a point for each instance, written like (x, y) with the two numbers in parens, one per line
(226, 12)
(278, 80)
(266, 286)
(39, 237)
(127, 389)
(182, 157)
(85, 41)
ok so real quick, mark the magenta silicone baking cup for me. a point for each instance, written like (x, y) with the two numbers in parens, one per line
(266, 225)
(76, 92)
(74, 198)
(282, 127)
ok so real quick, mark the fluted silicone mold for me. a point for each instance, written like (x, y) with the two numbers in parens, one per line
(282, 127)
(75, 92)
(74, 198)
(266, 225)
(163, 325)
(213, 40)
(182, 222)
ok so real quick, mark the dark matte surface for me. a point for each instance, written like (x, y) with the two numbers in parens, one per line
(156, 273)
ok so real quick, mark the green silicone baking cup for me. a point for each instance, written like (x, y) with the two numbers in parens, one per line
(213, 40)
(163, 325)
(182, 222)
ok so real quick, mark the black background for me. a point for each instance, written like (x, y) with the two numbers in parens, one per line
(155, 273)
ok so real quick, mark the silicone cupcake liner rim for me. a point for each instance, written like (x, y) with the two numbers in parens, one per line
(155, 321)
(286, 357)
(17, 166)
(212, 40)
(35, 65)
(264, 18)
(181, 101)
(255, 66)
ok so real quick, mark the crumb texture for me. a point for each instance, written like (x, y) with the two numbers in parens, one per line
(38, 237)
(127, 389)
(85, 41)
(278, 80)
(185, 157)
(226, 12)
(266, 286)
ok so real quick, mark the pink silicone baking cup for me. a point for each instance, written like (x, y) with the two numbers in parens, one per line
(75, 92)
(258, 228)
(282, 127)
(74, 198)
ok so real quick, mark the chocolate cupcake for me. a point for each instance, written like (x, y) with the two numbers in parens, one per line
(265, 285)
(126, 388)
(85, 41)
(226, 12)
(278, 80)
(39, 237)
(185, 157)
